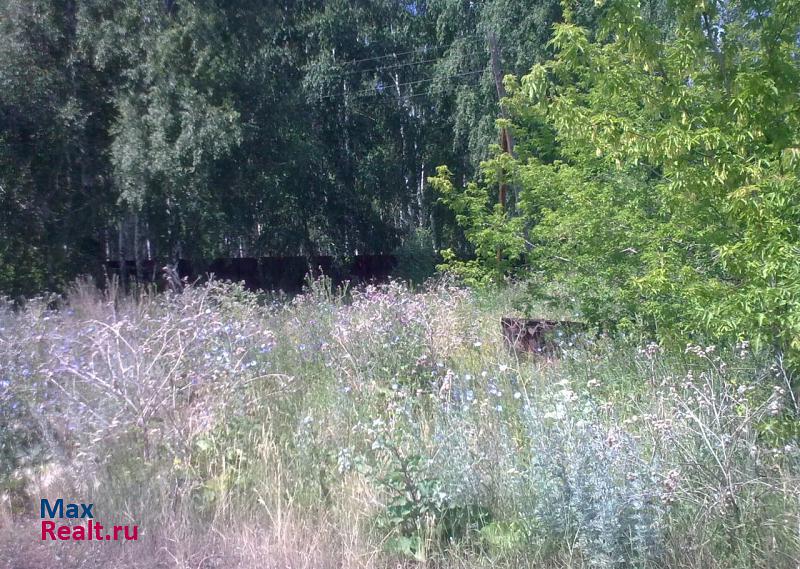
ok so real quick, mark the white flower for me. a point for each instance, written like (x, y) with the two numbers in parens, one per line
(568, 395)
(556, 414)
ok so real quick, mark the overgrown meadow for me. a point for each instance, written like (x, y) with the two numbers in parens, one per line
(381, 427)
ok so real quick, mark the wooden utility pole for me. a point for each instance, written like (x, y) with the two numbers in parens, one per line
(506, 139)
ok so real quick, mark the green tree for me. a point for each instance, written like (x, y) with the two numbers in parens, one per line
(674, 193)
(54, 189)
(139, 129)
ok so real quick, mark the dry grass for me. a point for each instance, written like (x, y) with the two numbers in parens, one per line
(317, 433)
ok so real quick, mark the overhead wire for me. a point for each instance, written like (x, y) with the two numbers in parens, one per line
(399, 65)
(417, 50)
(376, 91)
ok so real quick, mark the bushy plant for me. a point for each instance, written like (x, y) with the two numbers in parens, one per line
(393, 425)
(593, 484)
(416, 257)
(671, 195)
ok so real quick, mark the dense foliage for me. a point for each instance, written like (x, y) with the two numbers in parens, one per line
(658, 174)
(646, 180)
(382, 427)
(161, 128)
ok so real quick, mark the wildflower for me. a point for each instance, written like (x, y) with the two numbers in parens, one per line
(742, 348)
(775, 407)
(447, 384)
(343, 461)
(517, 395)
(556, 415)
(568, 395)
(670, 486)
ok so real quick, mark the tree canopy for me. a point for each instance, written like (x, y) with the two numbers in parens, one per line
(165, 129)
(659, 171)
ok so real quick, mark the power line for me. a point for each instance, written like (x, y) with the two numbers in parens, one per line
(382, 68)
(398, 65)
(374, 91)
(426, 93)
(417, 50)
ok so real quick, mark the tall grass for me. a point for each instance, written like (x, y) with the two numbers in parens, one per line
(383, 427)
